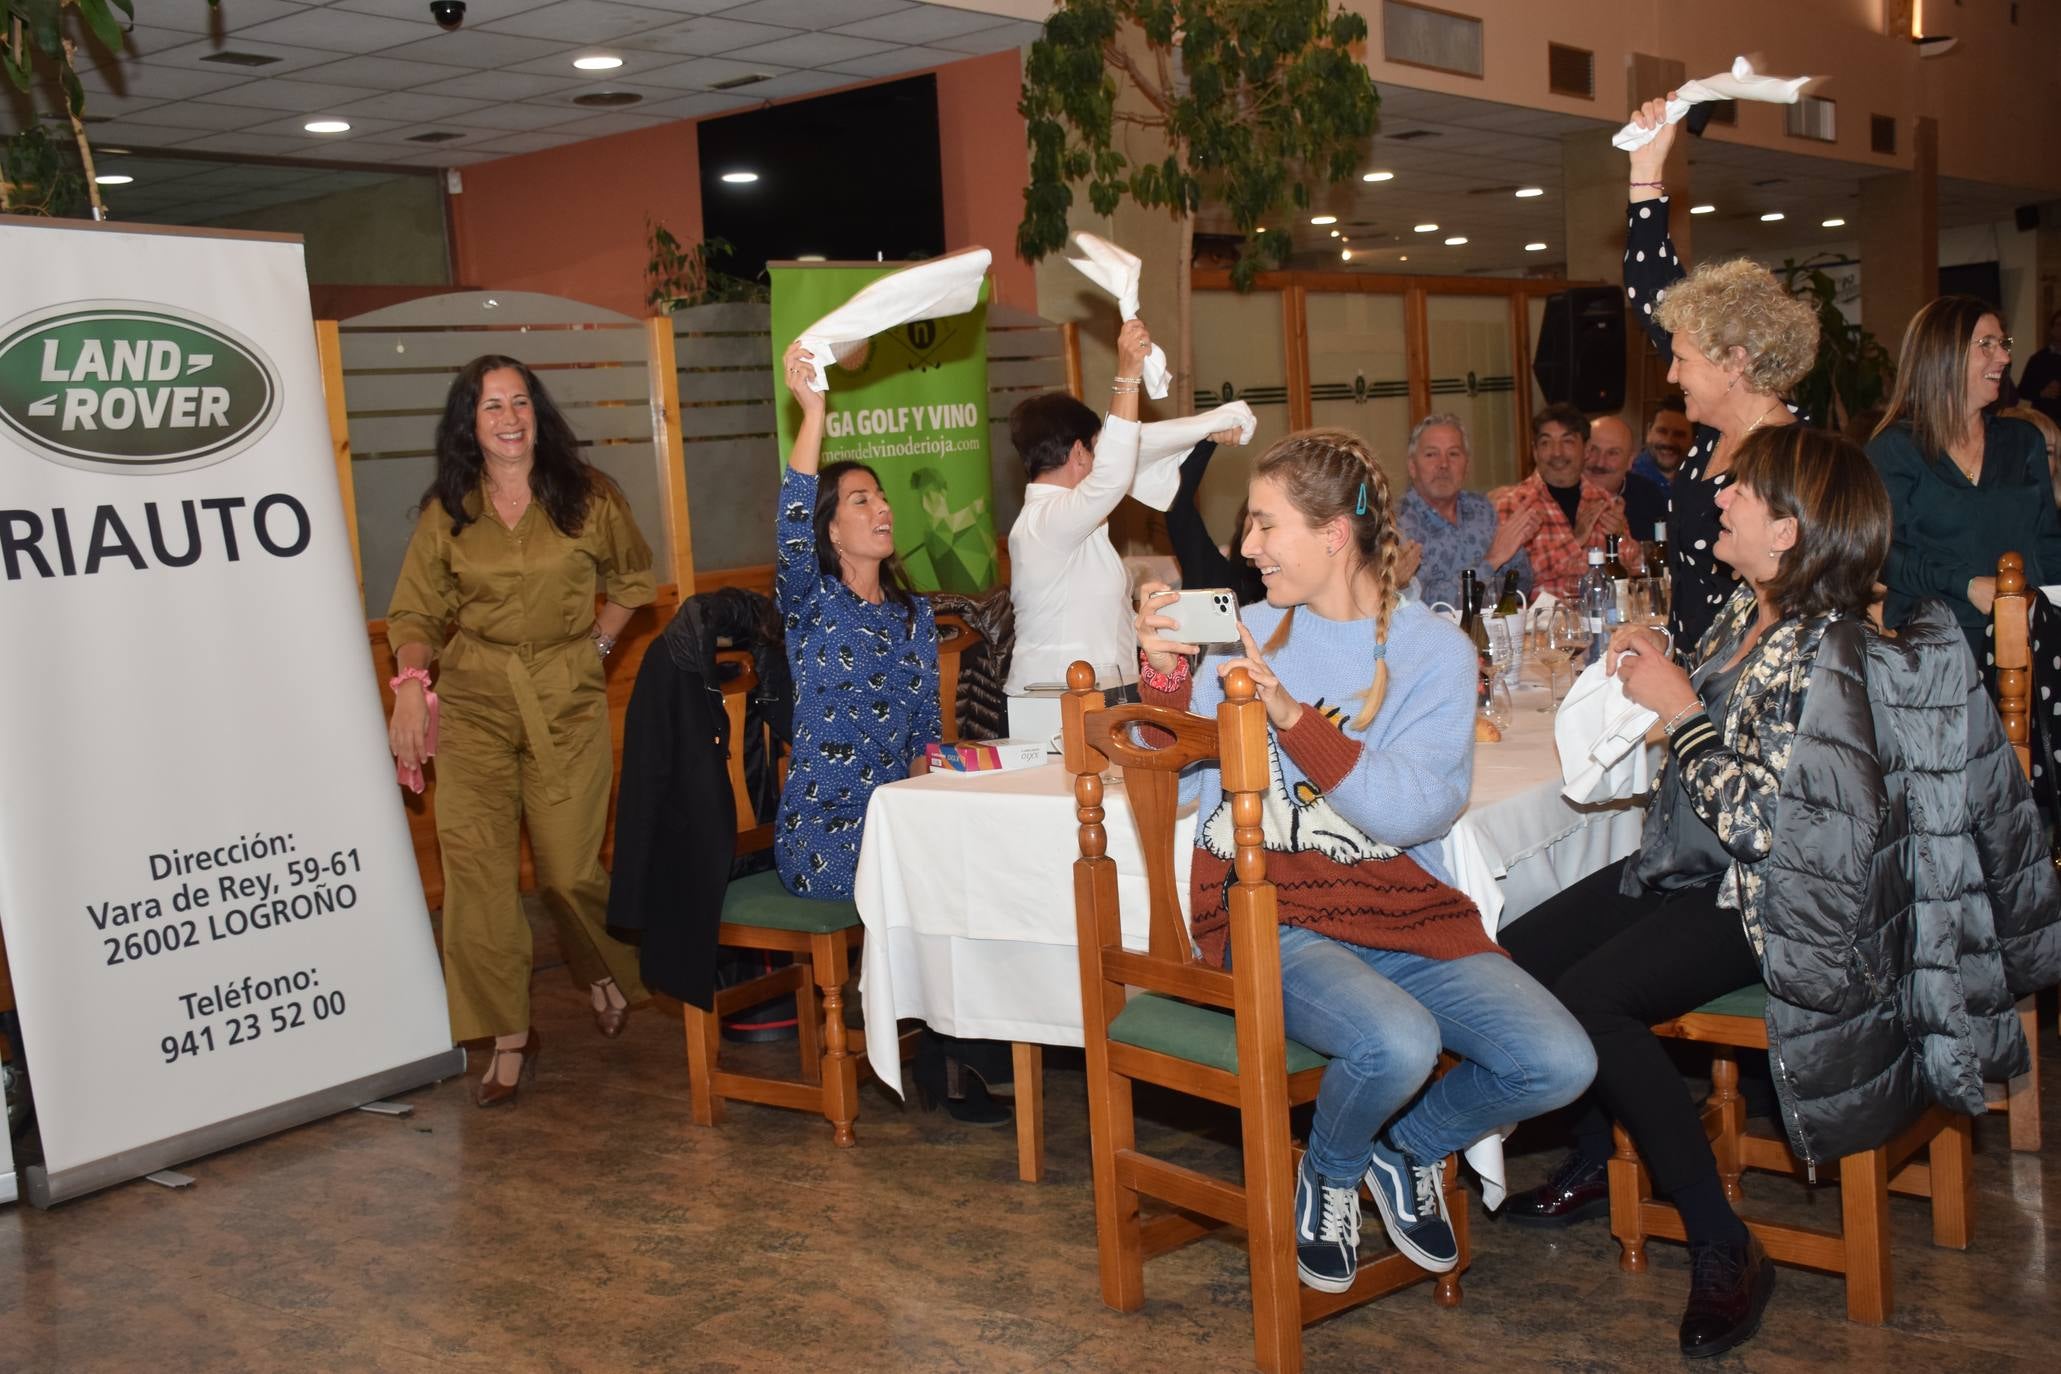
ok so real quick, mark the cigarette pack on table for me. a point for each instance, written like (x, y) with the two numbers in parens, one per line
(985, 756)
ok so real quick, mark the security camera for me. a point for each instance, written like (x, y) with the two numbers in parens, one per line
(449, 14)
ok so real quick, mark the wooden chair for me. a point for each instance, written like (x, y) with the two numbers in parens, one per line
(2020, 1098)
(1860, 1248)
(1195, 1029)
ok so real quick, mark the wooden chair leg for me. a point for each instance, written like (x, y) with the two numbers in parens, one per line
(1730, 1109)
(1446, 1292)
(1628, 1188)
(704, 1035)
(1029, 1062)
(1864, 1216)
(1120, 1252)
(2024, 1098)
(808, 1030)
(1953, 1182)
(1270, 1167)
(840, 1070)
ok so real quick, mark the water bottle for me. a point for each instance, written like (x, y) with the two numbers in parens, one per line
(1599, 605)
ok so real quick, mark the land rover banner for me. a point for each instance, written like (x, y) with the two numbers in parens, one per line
(213, 916)
(915, 410)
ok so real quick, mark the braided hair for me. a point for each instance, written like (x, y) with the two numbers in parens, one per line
(1331, 473)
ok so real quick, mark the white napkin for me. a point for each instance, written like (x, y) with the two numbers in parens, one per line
(1741, 83)
(1116, 272)
(1486, 1155)
(949, 285)
(1539, 613)
(1598, 733)
(1164, 443)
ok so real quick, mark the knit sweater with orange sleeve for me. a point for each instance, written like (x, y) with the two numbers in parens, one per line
(1354, 817)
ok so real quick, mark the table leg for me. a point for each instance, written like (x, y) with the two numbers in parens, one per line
(1029, 1062)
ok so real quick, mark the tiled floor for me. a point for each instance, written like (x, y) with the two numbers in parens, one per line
(594, 1226)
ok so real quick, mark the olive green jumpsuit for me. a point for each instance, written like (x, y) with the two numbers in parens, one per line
(523, 738)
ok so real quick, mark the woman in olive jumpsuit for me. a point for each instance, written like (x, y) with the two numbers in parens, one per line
(516, 534)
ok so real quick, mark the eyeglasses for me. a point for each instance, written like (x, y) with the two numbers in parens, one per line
(1991, 343)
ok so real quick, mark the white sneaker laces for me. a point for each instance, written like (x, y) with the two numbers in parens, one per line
(1341, 1216)
(1426, 1177)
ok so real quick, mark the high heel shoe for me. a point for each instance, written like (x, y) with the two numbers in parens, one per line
(609, 1019)
(941, 1079)
(492, 1091)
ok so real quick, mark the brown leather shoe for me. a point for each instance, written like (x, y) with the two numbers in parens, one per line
(1728, 1290)
(607, 1019)
(493, 1092)
(1576, 1190)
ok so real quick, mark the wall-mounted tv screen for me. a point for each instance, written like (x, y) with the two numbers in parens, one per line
(847, 177)
(1982, 280)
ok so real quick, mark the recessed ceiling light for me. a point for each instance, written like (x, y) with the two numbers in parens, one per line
(1772, 216)
(1377, 176)
(1703, 209)
(1261, 230)
(1834, 223)
(112, 179)
(740, 178)
(327, 126)
(1404, 258)
(597, 63)
(1323, 219)
(1527, 192)
(1534, 247)
(1427, 228)
(1345, 254)
(1335, 234)
(1456, 240)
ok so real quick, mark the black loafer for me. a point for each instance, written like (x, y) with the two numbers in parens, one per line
(1577, 1189)
(1728, 1290)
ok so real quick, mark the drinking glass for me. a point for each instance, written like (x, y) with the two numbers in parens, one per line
(1646, 602)
(1559, 642)
(1496, 704)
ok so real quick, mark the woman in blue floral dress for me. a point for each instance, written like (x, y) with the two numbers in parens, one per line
(862, 647)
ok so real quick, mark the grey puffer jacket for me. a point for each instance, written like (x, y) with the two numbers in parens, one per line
(1910, 896)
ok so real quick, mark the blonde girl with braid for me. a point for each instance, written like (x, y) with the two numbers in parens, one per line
(1370, 701)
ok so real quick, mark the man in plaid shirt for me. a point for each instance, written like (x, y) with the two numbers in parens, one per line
(1573, 514)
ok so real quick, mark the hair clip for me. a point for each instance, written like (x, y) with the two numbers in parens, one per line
(1361, 508)
(1380, 650)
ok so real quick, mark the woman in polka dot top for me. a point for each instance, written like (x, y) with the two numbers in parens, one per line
(1736, 341)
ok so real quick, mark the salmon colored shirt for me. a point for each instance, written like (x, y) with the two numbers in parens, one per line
(1558, 559)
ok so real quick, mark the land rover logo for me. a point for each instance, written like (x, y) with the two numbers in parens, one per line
(122, 386)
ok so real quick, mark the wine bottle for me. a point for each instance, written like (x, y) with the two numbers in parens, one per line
(1620, 577)
(1507, 603)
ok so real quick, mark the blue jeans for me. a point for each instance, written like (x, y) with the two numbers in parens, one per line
(1383, 1017)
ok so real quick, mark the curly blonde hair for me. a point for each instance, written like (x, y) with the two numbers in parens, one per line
(1739, 304)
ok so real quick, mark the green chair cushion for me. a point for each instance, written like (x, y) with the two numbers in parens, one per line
(760, 900)
(1201, 1035)
(1748, 1001)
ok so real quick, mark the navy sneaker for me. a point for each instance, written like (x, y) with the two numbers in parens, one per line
(1327, 1231)
(1412, 1200)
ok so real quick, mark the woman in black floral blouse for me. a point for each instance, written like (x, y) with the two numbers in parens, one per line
(1805, 523)
(1736, 341)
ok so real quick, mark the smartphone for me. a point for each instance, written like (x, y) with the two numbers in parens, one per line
(1207, 615)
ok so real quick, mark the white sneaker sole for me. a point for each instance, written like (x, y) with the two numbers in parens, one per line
(1320, 1283)
(1404, 1245)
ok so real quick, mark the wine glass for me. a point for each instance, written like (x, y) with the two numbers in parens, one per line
(1496, 701)
(1564, 637)
(1646, 602)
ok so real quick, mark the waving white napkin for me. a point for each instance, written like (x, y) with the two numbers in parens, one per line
(1599, 732)
(949, 285)
(1164, 443)
(1741, 83)
(1116, 272)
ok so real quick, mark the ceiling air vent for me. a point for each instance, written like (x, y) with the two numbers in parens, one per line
(435, 136)
(607, 99)
(1418, 36)
(1882, 133)
(733, 82)
(1570, 71)
(1411, 135)
(240, 59)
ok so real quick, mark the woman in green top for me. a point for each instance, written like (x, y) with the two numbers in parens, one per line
(1967, 486)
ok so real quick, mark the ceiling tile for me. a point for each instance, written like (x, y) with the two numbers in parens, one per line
(585, 22)
(524, 143)
(385, 73)
(504, 85)
(449, 155)
(192, 56)
(408, 105)
(197, 16)
(362, 126)
(791, 83)
(560, 65)
(341, 30)
(264, 145)
(511, 117)
(206, 118)
(706, 37)
(896, 60)
(614, 122)
(477, 48)
(811, 50)
(922, 24)
(706, 103)
(688, 6)
(144, 81)
(291, 96)
(157, 171)
(137, 133)
(102, 103)
(702, 73)
(1011, 35)
(814, 14)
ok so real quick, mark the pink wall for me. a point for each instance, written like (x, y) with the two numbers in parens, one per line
(570, 221)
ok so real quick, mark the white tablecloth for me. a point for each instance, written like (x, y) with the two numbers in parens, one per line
(965, 883)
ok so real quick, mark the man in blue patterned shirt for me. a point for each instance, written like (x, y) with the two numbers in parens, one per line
(1457, 528)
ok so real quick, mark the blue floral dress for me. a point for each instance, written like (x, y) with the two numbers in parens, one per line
(865, 702)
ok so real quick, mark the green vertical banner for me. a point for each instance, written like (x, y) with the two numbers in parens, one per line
(915, 410)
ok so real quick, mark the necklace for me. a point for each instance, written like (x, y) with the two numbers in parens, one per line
(1773, 406)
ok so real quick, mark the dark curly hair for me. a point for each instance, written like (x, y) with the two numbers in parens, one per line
(561, 481)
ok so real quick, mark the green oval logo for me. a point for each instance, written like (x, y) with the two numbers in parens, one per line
(126, 386)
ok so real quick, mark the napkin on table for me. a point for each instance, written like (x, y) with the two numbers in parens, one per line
(1116, 271)
(1599, 733)
(1164, 443)
(1741, 83)
(949, 285)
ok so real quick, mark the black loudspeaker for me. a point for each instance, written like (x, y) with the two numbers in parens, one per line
(1580, 356)
(2028, 217)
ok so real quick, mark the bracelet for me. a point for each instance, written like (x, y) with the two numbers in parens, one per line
(1162, 682)
(1676, 721)
(604, 645)
(1656, 185)
(1133, 380)
(420, 675)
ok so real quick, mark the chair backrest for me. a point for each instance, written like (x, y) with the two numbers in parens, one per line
(2012, 648)
(955, 638)
(1095, 736)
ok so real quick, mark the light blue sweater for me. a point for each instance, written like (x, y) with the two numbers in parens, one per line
(1414, 773)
